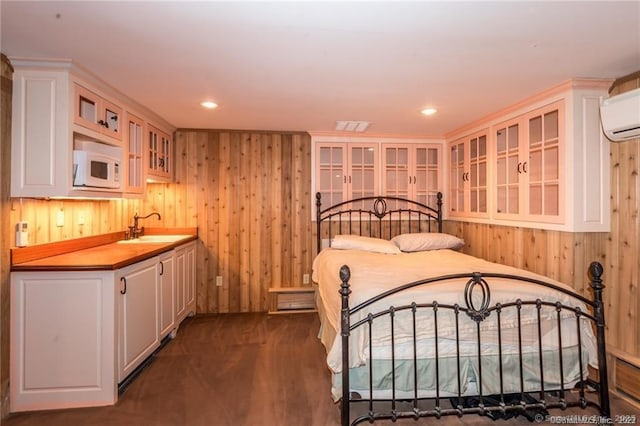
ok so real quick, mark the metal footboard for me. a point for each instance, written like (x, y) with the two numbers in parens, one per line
(512, 399)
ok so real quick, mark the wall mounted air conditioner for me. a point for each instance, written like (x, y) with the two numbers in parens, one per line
(620, 116)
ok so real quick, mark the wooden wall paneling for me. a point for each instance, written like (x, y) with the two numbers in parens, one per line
(223, 237)
(301, 217)
(276, 211)
(245, 206)
(257, 219)
(286, 213)
(268, 193)
(628, 255)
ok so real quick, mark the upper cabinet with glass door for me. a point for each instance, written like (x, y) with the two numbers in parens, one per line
(159, 154)
(345, 171)
(97, 113)
(134, 154)
(468, 176)
(411, 171)
(528, 156)
(546, 163)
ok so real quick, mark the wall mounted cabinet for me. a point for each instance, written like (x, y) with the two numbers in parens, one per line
(546, 160)
(55, 103)
(160, 149)
(468, 176)
(347, 168)
(134, 168)
(411, 171)
(97, 113)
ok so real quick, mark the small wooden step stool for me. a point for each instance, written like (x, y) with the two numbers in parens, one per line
(288, 300)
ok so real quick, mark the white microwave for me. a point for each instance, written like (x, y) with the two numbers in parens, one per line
(95, 170)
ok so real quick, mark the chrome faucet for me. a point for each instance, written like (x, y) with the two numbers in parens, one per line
(134, 231)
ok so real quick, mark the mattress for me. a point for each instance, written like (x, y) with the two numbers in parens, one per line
(373, 273)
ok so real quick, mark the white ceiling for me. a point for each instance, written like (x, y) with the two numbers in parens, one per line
(305, 65)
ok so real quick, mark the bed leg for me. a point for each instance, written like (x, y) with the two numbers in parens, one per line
(345, 275)
(595, 275)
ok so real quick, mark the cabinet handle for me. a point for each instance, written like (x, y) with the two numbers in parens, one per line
(519, 168)
(161, 268)
(124, 290)
(524, 167)
(415, 179)
(349, 179)
(345, 178)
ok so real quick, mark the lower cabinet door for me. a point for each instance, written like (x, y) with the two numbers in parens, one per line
(138, 316)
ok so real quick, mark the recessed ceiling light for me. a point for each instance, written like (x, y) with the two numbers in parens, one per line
(429, 111)
(209, 104)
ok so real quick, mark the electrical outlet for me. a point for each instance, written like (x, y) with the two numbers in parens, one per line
(81, 218)
(60, 218)
(219, 281)
(305, 279)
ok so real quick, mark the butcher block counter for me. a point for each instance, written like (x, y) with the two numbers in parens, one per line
(95, 253)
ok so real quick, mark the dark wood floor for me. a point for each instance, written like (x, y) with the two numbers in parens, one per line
(240, 370)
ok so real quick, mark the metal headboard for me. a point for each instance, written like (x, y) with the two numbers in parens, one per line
(375, 219)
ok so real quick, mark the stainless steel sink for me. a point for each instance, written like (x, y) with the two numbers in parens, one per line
(155, 239)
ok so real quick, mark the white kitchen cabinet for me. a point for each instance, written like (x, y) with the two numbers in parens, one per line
(468, 158)
(97, 113)
(138, 315)
(77, 335)
(63, 340)
(134, 153)
(167, 286)
(160, 149)
(55, 104)
(185, 288)
(411, 171)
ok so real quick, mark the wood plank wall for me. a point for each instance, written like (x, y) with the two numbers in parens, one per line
(249, 195)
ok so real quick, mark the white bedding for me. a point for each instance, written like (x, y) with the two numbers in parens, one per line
(373, 273)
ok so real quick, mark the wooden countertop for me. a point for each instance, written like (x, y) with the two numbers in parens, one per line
(94, 253)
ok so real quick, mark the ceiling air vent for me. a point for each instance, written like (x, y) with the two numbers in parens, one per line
(351, 126)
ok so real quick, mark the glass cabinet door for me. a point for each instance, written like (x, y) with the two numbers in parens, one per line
(362, 171)
(396, 171)
(410, 171)
(331, 173)
(457, 177)
(425, 180)
(135, 180)
(477, 177)
(508, 170)
(543, 165)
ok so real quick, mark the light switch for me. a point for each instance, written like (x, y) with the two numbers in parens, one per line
(60, 218)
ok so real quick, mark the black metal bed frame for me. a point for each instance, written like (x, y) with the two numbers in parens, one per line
(498, 404)
(340, 218)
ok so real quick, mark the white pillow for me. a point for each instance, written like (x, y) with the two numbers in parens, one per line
(427, 241)
(357, 242)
